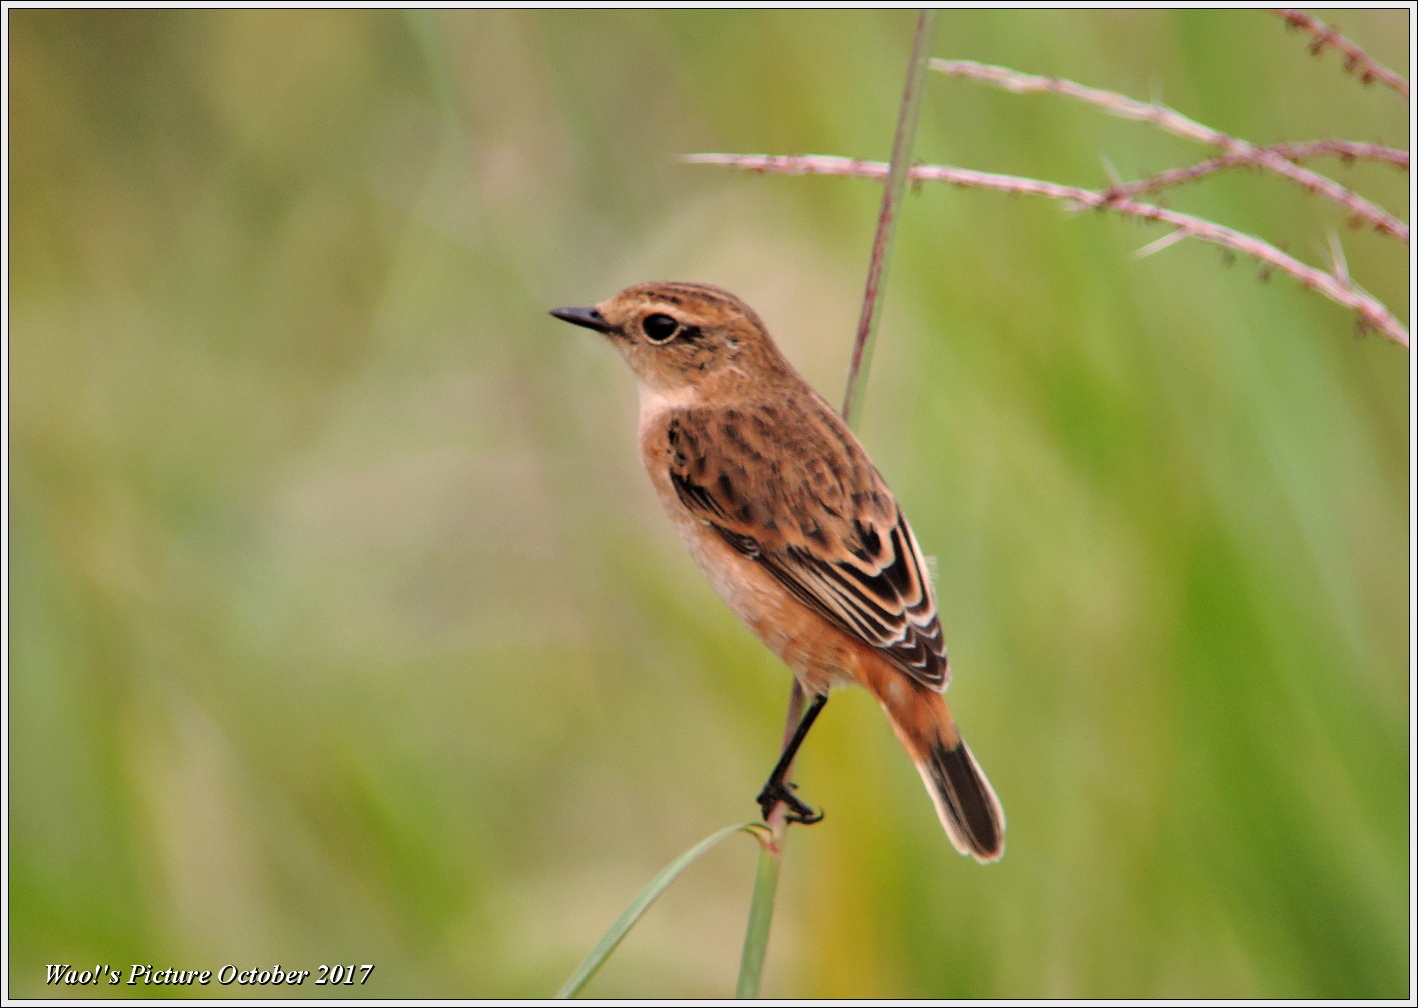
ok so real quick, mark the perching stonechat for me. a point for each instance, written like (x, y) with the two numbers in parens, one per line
(794, 527)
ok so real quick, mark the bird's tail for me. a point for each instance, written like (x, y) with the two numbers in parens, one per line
(963, 798)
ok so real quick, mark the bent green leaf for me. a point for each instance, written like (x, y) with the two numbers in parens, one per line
(641, 903)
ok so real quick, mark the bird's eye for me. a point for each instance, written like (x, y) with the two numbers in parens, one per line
(659, 328)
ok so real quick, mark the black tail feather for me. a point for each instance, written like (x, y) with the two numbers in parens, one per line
(966, 803)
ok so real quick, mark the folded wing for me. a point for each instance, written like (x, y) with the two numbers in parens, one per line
(819, 518)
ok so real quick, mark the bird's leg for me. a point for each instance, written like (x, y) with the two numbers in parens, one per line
(776, 790)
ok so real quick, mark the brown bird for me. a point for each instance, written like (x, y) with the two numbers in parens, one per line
(790, 521)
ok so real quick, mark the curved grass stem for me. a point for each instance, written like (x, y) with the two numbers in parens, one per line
(641, 903)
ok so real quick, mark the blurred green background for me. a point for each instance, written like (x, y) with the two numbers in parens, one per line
(345, 627)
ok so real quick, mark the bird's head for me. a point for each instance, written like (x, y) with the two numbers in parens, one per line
(677, 336)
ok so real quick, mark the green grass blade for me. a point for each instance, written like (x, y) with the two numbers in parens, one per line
(760, 920)
(640, 904)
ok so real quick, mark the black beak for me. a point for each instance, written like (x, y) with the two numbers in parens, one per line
(588, 317)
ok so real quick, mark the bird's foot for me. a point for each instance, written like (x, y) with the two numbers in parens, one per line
(798, 810)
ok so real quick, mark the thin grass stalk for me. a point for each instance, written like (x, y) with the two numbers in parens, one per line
(765, 879)
(760, 922)
(1291, 152)
(642, 901)
(904, 143)
(1372, 314)
(1356, 60)
(1347, 151)
(1174, 122)
(765, 885)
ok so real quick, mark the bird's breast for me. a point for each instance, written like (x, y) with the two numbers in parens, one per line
(818, 654)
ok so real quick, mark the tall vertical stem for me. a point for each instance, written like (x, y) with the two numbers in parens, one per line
(765, 886)
(760, 920)
(906, 122)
